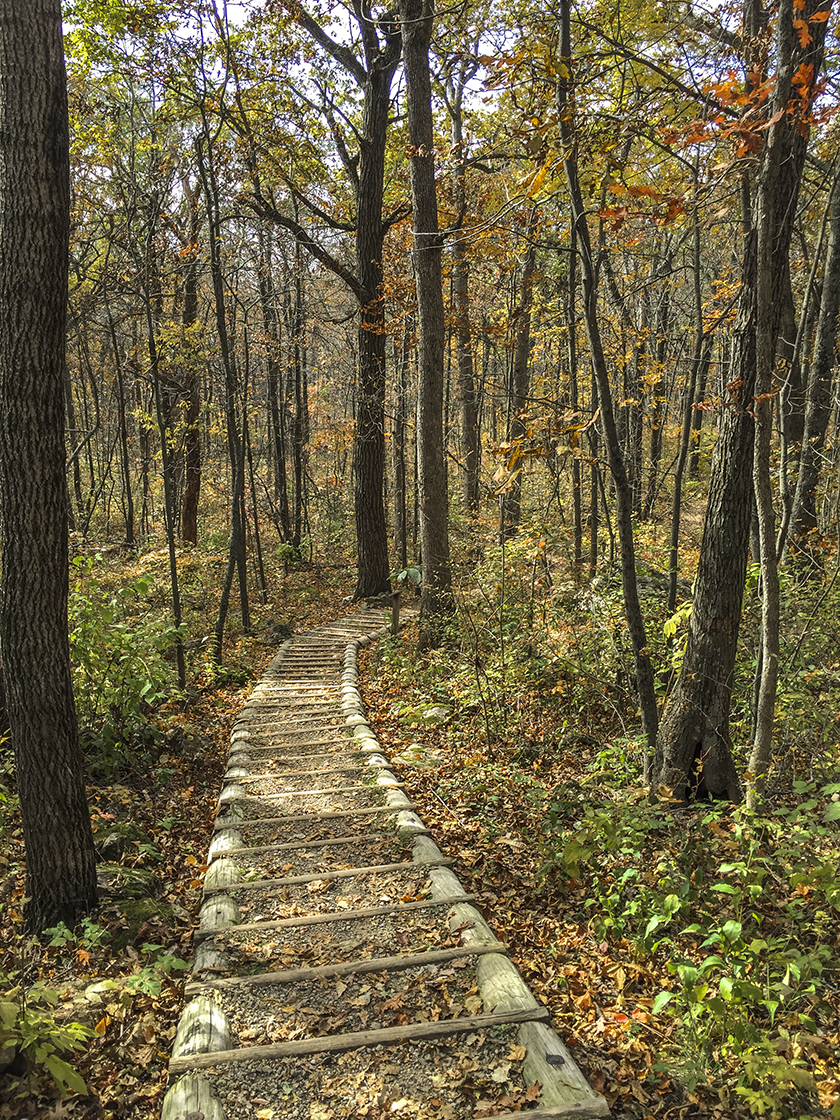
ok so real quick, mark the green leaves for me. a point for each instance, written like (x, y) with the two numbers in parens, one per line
(27, 1024)
(117, 648)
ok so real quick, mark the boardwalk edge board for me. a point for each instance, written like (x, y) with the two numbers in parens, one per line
(203, 1039)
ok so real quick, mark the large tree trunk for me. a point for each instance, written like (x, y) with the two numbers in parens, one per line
(369, 448)
(694, 746)
(34, 238)
(436, 604)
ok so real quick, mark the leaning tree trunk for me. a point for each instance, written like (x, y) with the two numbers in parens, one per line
(694, 750)
(574, 399)
(34, 239)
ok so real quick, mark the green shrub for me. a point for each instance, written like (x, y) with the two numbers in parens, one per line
(28, 1025)
(119, 669)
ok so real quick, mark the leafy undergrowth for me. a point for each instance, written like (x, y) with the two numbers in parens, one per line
(688, 956)
(92, 1012)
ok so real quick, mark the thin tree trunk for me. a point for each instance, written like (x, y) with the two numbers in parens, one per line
(511, 503)
(818, 404)
(574, 398)
(470, 446)
(400, 423)
(632, 607)
(236, 549)
(192, 426)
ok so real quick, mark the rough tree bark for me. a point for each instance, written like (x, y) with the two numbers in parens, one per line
(694, 749)
(436, 604)
(34, 240)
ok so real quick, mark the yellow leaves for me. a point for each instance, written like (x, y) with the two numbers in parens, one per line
(538, 180)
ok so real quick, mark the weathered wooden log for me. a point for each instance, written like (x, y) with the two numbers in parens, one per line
(409, 1032)
(330, 916)
(324, 876)
(203, 1029)
(349, 968)
(191, 1096)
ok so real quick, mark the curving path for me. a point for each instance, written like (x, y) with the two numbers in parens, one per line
(340, 970)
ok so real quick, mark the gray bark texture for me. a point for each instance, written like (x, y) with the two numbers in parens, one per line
(381, 56)
(470, 444)
(818, 402)
(694, 747)
(436, 603)
(34, 238)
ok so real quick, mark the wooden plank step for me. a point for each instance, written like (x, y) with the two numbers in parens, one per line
(349, 968)
(242, 823)
(310, 792)
(325, 877)
(247, 776)
(336, 1043)
(246, 746)
(335, 841)
(327, 916)
(302, 726)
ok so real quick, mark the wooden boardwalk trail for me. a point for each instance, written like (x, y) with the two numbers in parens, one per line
(340, 970)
